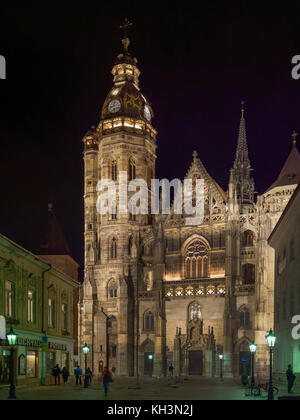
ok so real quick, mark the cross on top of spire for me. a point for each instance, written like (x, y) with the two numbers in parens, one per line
(243, 109)
(294, 135)
(126, 25)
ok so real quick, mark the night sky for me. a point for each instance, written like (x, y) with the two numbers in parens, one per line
(197, 66)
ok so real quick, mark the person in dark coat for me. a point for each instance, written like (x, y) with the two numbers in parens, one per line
(56, 373)
(171, 369)
(65, 374)
(106, 380)
(89, 374)
(290, 378)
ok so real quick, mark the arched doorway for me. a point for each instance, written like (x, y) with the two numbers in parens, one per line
(244, 359)
(148, 356)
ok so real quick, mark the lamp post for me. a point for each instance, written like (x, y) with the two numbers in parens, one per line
(271, 340)
(221, 357)
(85, 351)
(11, 338)
(252, 347)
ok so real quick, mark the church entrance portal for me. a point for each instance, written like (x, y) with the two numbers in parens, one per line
(148, 364)
(195, 362)
(245, 363)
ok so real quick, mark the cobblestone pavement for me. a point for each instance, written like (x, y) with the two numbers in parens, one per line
(195, 388)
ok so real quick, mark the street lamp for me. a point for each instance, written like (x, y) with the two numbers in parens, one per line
(221, 357)
(252, 347)
(11, 338)
(85, 351)
(271, 340)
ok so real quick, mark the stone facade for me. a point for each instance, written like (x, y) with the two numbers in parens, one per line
(172, 292)
(35, 299)
(285, 241)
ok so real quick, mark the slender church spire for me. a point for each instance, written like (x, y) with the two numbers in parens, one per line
(242, 158)
(241, 173)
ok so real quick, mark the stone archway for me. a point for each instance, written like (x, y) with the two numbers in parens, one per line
(147, 353)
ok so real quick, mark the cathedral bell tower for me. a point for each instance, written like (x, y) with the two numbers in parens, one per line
(124, 141)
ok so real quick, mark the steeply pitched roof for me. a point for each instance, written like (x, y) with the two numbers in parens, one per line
(53, 241)
(290, 173)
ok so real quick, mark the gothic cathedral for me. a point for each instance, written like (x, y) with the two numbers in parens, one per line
(157, 291)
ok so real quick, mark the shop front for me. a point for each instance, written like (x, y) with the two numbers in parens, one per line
(34, 358)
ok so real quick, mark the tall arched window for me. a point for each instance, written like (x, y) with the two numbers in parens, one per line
(194, 312)
(244, 317)
(148, 321)
(196, 260)
(113, 249)
(132, 170)
(129, 245)
(112, 289)
(248, 273)
(114, 171)
(248, 238)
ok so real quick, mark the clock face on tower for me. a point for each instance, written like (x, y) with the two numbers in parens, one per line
(147, 113)
(114, 106)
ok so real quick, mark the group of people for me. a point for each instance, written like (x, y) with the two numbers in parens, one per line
(106, 377)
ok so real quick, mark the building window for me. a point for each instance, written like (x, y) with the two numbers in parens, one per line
(31, 306)
(51, 313)
(248, 273)
(196, 260)
(194, 312)
(113, 351)
(132, 170)
(114, 171)
(148, 321)
(64, 317)
(244, 317)
(248, 238)
(31, 364)
(9, 299)
(113, 292)
(113, 249)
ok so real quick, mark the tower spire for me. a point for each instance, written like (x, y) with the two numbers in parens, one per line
(241, 174)
(242, 158)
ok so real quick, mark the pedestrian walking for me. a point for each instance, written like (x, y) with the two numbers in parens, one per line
(89, 374)
(78, 374)
(171, 370)
(106, 380)
(65, 374)
(56, 373)
(290, 378)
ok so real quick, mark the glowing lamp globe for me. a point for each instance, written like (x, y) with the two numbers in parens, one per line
(221, 356)
(271, 339)
(11, 337)
(85, 349)
(252, 347)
